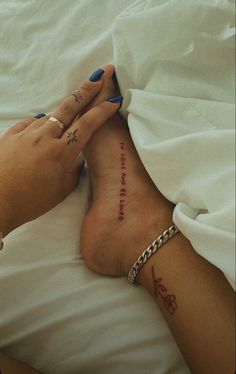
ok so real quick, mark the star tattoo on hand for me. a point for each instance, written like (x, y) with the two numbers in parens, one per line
(72, 137)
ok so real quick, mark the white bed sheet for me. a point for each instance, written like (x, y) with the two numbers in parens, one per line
(174, 61)
(181, 113)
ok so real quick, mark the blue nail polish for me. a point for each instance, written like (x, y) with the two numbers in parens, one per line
(97, 75)
(40, 115)
(116, 99)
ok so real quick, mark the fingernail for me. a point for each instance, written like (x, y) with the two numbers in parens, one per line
(116, 99)
(40, 115)
(97, 75)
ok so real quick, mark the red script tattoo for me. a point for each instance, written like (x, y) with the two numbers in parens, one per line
(161, 291)
(122, 200)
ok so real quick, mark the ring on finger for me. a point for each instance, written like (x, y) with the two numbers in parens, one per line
(57, 122)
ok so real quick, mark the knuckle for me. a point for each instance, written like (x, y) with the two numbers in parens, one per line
(103, 109)
(66, 108)
(87, 86)
(37, 138)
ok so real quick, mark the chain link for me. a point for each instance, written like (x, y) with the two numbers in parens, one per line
(162, 239)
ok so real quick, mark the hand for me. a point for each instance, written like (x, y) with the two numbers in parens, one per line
(39, 161)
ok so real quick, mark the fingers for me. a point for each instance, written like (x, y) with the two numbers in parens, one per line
(22, 125)
(104, 94)
(19, 126)
(78, 135)
(72, 105)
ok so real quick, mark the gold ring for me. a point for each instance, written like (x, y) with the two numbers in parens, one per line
(57, 122)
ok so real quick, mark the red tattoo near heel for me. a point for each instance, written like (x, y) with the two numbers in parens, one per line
(160, 291)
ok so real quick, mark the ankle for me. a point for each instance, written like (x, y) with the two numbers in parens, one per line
(148, 224)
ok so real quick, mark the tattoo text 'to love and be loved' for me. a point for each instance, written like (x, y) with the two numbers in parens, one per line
(123, 183)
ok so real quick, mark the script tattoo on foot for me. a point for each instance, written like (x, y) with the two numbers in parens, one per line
(123, 166)
(160, 291)
(72, 137)
(78, 96)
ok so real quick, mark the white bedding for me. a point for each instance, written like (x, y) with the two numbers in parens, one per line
(175, 66)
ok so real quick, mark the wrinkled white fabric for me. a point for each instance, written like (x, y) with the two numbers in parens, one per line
(175, 66)
(176, 59)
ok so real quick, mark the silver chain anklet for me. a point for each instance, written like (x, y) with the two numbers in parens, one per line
(162, 239)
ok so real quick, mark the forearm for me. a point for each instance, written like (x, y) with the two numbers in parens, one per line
(197, 303)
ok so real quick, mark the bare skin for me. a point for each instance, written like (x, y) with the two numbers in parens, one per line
(127, 213)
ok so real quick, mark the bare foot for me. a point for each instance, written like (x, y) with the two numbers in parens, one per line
(123, 218)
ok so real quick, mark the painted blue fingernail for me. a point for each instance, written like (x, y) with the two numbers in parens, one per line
(97, 75)
(116, 99)
(40, 115)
